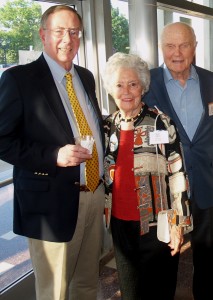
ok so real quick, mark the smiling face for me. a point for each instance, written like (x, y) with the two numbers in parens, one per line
(178, 46)
(63, 49)
(127, 91)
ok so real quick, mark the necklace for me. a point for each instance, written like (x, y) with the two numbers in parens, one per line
(127, 120)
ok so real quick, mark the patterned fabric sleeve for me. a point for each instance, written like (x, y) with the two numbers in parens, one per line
(177, 177)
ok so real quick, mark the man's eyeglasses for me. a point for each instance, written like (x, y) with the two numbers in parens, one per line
(61, 32)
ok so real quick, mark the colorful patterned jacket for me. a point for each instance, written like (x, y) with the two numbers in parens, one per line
(159, 169)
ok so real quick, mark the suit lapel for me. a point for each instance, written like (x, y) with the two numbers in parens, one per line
(159, 90)
(53, 98)
(206, 99)
(46, 82)
(205, 96)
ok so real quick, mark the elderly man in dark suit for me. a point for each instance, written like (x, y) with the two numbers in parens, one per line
(185, 93)
(53, 207)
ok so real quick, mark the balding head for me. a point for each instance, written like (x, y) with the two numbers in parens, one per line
(178, 28)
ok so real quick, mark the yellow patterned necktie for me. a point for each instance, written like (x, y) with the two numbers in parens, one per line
(92, 165)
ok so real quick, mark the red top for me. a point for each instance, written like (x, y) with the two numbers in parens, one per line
(124, 197)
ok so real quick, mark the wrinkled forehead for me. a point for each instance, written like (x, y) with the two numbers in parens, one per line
(177, 35)
(63, 18)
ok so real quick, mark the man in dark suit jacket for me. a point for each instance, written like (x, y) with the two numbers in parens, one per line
(185, 93)
(52, 206)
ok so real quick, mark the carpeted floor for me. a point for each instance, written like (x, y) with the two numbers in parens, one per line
(109, 285)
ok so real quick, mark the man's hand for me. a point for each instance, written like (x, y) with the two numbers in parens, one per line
(72, 155)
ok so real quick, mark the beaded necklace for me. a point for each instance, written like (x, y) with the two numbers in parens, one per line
(132, 119)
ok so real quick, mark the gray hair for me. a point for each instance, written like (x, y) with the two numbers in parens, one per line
(56, 8)
(123, 60)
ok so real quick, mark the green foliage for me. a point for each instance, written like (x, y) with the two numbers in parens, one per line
(19, 25)
(120, 31)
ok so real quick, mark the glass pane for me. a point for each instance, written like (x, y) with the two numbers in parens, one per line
(120, 26)
(208, 3)
(14, 254)
(19, 40)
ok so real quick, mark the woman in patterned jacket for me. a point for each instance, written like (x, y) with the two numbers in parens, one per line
(145, 183)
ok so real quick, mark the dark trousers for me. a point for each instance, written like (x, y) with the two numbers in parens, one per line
(202, 249)
(146, 269)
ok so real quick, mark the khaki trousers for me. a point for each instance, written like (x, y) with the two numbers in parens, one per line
(70, 271)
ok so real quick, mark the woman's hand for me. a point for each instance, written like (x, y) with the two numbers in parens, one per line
(176, 241)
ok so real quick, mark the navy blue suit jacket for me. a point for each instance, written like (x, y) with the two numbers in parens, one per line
(198, 152)
(33, 126)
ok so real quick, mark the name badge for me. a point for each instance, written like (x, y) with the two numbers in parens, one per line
(158, 137)
(210, 108)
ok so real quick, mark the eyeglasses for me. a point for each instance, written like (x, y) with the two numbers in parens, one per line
(61, 32)
(131, 86)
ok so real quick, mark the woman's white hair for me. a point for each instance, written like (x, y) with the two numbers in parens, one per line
(129, 61)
